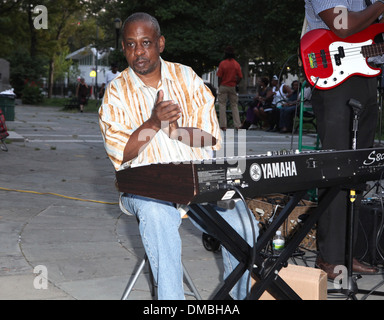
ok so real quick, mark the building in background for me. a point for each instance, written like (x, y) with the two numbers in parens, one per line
(91, 65)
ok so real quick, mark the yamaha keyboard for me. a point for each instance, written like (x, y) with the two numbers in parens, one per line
(254, 175)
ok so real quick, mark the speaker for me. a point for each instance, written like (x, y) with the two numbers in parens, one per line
(369, 245)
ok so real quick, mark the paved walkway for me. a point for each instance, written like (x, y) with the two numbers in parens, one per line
(59, 215)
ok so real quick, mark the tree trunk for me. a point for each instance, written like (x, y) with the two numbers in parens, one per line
(32, 31)
(50, 77)
(243, 86)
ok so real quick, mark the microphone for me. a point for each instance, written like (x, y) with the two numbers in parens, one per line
(356, 106)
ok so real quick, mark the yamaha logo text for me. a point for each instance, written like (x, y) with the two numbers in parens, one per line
(273, 170)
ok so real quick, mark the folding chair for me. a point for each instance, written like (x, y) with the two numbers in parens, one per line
(153, 285)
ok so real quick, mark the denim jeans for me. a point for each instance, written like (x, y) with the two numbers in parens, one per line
(159, 229)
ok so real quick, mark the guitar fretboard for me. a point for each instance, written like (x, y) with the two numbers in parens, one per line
(372, 50)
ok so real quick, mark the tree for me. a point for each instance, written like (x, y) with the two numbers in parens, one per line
(189, 40)
(55, 37)
(42, 46)
(196, 32)
(264, 31)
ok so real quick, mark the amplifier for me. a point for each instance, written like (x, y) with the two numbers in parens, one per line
(370, 241)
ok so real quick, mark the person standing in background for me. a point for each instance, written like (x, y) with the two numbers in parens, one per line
(111, 74)
(230, 75)
(82, 92)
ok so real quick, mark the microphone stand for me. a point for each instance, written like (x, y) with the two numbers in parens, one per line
(352, 289)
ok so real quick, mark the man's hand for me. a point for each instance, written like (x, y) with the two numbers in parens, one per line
(164, 117)
(165, 114)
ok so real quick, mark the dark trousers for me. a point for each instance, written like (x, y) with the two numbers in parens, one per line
(334, 125)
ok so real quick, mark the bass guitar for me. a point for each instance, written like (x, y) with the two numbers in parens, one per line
(329, 60)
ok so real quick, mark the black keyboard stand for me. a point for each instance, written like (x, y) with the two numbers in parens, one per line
(265, 271)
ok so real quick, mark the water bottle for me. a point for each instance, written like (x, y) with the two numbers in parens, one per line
(278, 243)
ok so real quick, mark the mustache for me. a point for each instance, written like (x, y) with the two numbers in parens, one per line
(141, 59)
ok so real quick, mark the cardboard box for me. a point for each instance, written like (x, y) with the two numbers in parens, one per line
(308, 283)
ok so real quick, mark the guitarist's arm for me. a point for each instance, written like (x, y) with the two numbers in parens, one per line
(357, 21)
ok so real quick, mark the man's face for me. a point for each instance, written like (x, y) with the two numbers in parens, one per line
(142, 47)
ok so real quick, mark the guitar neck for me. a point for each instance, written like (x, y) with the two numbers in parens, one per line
(372, 50)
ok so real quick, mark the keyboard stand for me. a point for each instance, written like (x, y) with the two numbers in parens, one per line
(265, 271)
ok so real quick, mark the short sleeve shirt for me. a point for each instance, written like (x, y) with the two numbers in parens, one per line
(128, 103)
(314, 7)
(229, 70)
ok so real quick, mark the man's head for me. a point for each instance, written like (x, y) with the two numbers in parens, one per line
(142, 43)
(114, 67)
(229, 53)
(274, 81)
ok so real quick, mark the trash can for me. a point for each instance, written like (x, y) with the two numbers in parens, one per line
(7, 105)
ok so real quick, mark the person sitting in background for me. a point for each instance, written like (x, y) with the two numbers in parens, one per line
(288, 109)
(251, 121)
(262, 102)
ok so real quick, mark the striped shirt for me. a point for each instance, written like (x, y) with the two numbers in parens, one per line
(128, 103)
(314, 7)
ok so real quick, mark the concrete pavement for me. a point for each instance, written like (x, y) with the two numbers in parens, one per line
(59, 218)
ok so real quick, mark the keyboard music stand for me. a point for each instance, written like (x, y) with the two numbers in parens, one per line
(265, 271)
(180, 184)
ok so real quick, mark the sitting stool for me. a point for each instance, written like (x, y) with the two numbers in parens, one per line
(153, 285)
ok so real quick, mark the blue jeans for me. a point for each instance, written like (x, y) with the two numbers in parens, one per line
(159, 229)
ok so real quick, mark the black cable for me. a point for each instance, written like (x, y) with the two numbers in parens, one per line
(380, 232)
(366, 241)
(253, 255)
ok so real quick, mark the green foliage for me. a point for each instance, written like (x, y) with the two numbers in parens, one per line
(25, 68)
(61, 64)
(31, 93)
(264, 31)
(118, 58)
(196, 32)
(184, 23)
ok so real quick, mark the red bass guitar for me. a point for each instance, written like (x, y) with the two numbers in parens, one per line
(329, 60)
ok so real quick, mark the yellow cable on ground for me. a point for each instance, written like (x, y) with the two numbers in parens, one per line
(58, 195)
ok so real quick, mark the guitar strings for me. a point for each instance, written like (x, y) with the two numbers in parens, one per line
(350, 52)
(374, 46)
(346, 50)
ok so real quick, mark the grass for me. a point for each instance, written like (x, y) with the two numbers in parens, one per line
(92, 105)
